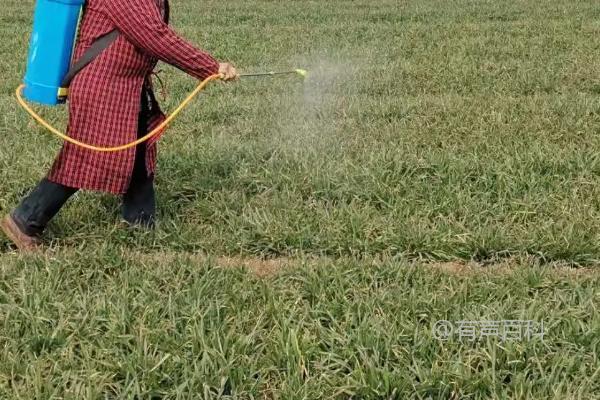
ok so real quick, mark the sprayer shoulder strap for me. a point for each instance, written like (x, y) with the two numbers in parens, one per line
(89, 55)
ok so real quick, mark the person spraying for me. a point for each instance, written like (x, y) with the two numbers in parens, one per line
(111, 101)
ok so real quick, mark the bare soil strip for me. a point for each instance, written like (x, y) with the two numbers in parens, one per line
(268, 267)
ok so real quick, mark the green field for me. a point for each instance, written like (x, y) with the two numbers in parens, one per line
(440, 163)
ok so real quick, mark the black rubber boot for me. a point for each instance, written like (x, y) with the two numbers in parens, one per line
(37, 209)
(139, 202)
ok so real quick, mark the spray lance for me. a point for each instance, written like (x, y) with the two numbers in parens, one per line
(49, 67)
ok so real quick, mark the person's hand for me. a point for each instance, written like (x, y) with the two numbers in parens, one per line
(227, 72)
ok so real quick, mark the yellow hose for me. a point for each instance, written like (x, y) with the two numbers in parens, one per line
(154, 132)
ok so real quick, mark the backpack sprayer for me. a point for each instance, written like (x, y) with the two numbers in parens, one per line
(49, 69)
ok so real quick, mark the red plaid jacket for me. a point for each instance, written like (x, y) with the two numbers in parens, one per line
(105, 98)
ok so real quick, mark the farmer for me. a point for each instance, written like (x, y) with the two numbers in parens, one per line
(111, 102)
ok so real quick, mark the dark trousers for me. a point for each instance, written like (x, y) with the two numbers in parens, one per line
(139, 203)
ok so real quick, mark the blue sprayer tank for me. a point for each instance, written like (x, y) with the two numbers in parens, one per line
(50, 49)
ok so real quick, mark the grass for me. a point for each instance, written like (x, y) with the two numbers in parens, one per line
(126, 324)
(430, 135)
